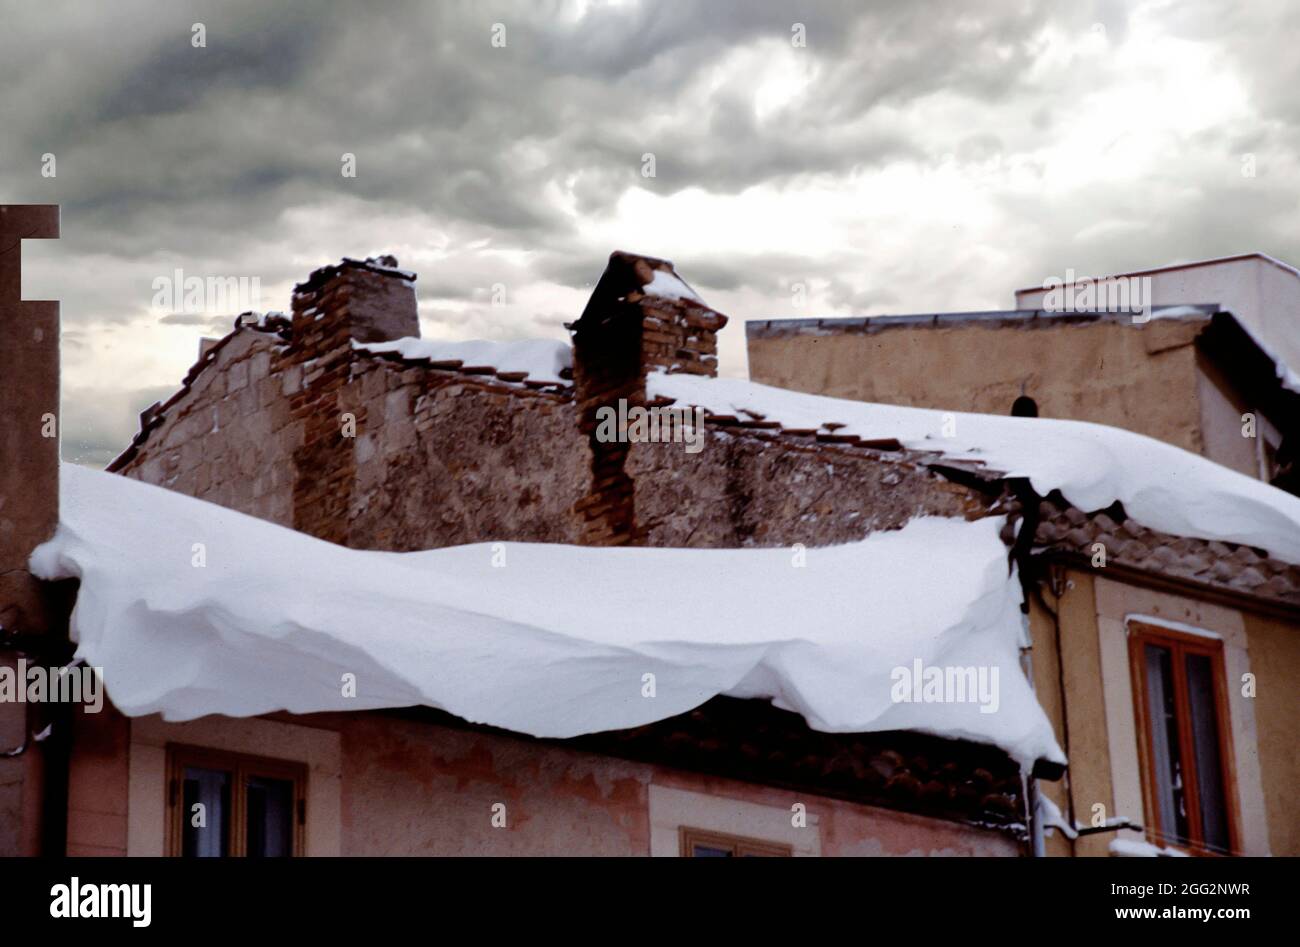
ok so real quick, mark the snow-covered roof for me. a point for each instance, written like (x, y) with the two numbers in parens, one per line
(545, 360)
(1162, 487)
(669, 285)
(192, 609)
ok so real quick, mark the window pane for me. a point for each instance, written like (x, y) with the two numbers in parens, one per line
(209, 788)
(708, 851)
(1205, 738)
(270, 817)
(1166, 762)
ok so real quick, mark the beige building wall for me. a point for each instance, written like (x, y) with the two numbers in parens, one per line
(1263, 294)
(1275, 661)
(1090, 692)
(1073, 696)
(1142, 378)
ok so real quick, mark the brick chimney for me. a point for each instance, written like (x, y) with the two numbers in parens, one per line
(29, 506)
(641, 317)
(352, 301)
(367, 300)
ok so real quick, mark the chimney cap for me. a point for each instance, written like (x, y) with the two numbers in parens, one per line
(629, 273)
(384, 264)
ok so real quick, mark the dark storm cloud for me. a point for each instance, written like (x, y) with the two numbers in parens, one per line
(502, 165)
(262, 53)
(432, 111)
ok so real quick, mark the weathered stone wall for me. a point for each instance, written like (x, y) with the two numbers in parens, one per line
(307, 432)
(444, 459)
(745, 489)
(229, 439)
(294, 424)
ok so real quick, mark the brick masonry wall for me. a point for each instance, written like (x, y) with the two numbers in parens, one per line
(678, 337)
(607, 369)
(742, 489)
(623, 334)
(324, 463)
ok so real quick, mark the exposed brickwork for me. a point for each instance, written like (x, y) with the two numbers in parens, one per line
(622, 335)
(289, 421)
(607, 369)
(29, 404)
(325, 462)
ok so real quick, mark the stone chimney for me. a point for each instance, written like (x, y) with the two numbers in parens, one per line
(29, 508)
(641, 318)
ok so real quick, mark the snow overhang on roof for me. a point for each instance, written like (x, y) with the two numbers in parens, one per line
(1161, 487)
(271, 619)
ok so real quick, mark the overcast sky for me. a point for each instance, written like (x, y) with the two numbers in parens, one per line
(910, 157)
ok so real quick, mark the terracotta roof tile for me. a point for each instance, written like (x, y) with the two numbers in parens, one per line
(1227, 566)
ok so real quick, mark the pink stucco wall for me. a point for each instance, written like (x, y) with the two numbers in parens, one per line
(410, 787)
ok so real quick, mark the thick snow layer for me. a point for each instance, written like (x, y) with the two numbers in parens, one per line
(1161, 486)
(668, 286)
(542, 359)
(548, 640)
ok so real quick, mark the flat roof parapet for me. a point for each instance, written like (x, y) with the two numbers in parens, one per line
(994, 318)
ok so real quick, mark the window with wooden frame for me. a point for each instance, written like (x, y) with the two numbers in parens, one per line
(232, 805)
(697, 843)
(1181, 705)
